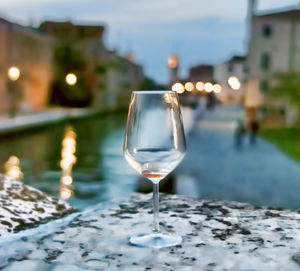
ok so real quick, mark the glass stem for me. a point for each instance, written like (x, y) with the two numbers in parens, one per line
(155, 207)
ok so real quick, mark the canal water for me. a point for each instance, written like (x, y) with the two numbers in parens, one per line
(80, 161)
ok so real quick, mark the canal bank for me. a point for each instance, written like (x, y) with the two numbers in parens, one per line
(48, 117)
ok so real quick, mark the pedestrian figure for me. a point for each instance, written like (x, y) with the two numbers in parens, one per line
(239, 133)
(254, 126)
(253, 100)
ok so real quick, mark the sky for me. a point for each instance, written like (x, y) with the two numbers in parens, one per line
(198, 31)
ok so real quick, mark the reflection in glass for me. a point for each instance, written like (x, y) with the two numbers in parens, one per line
(68, 159)
(12, 168)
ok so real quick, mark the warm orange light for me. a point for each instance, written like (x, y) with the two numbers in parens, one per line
(178, 87)
(200, 86)
(217, 88)
(68, 159)
(173, 62)
(65, 192)
(189, 86)
(208, 87)
(234, 82)
(13, 73)
(71, 79)
(12, 168)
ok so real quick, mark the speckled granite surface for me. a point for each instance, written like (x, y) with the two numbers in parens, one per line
(216, 236)
(22, 206)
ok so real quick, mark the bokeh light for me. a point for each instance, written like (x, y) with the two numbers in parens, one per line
(217, 88)
(13, 73)
(189, 86)
(178, 87)
(234, 82)
(200, 86)
(208, 87)
(71, 79)
(68, 159)
(12, 168)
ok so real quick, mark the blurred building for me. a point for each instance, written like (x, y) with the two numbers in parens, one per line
(235, 67)
(273, 48)
(34, 63)
(274, 45)
(109, 76)
(31, 53)
(203, 73)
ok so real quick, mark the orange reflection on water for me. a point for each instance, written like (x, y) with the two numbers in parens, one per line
(12, 168)
(68, 159)
(65, 192)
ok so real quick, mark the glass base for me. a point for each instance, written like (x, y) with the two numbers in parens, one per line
(156, 240)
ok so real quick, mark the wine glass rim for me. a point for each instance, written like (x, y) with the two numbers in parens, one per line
(152, 91)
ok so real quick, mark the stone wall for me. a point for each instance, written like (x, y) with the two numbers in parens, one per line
(32, 53)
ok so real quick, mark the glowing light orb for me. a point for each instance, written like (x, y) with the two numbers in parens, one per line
(200, 86)
(234, 82)
(208, 87)
(71, 79)
(178, 87)
(189, 86)
(217, 88)
(13, 73)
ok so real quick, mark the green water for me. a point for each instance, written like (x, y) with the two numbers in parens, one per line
(100, 172)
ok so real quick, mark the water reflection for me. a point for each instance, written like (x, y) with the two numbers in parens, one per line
(12, 168)
(81, 161)
(68, 159)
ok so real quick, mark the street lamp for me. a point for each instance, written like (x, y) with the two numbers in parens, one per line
(71, 79)
(217, 88)
(234, 82)
(13, 73)
(178, 87)
(200, 86)
(208, 87)
(189, 86)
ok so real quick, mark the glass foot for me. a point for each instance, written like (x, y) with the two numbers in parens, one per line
(156, 240)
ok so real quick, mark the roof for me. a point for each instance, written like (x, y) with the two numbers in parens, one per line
(291, 13)
(237, 59)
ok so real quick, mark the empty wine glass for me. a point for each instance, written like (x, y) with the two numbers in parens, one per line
(154, 145)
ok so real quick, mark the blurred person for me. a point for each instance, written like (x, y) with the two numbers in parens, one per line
(252, 102)
(239, 133)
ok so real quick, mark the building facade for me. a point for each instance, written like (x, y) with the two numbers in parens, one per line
(31, 52)
(235, 67)
(274, 46)
(109, 76)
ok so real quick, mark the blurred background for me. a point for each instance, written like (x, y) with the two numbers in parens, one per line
(67, 70)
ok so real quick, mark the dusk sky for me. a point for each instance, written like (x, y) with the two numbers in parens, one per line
(198, 31)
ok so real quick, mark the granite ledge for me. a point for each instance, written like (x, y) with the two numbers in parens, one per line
(217, 235)
(22, 206)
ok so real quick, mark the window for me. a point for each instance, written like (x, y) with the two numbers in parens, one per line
(267, 31)
(265, 63)
(264, 85)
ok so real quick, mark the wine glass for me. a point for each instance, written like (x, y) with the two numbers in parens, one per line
(154, 145)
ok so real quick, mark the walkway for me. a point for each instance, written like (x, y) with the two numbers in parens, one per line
(213, 168)
(37, 119)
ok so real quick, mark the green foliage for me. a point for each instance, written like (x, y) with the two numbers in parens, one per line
(149, 84)
(286, 139)
(288, 86)
(69, 59)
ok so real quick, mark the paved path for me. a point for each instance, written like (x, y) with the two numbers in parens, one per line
(213, 168)
(21, 122)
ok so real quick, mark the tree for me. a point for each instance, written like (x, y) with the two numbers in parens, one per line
(287, 86)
